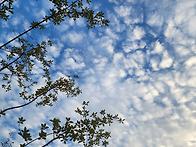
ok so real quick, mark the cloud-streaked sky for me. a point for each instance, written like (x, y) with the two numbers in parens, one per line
(143, 67)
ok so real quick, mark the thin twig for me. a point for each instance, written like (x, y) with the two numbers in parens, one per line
(37, 139)
(19, 106)
(16, 74)
(33, 27)
(3, 2)
(25, 32)
(16, 107)
(50, 141)
(6, 66)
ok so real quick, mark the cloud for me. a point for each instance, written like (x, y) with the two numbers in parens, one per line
(123, 11)
(166, 60)
(187, 18)
(71, 60)
(142, 67)
(155, 20)
(73, 37)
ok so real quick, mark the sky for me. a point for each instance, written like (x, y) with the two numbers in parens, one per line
(142, 67)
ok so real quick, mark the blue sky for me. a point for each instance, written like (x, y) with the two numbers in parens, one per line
(142, 67)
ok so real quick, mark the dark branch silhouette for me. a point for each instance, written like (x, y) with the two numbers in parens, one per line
(37, 139)
(20, 62)
(50, 141)
(20, 106)
(3, 2)
(6, 66)
(34, 26)
(17, 74)
(25, 32)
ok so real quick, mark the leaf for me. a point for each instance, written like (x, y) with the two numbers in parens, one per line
(21, 120)
(22, 145)
(25, 134)
(56, 123)
(44, 126)
(42, 135)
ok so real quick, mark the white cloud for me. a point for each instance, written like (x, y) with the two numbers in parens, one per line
(40, 14)
(71, 60)
(137, 34)
(133, 45)
(123, 11)
(73, 65)
(80, 22)
(155, 20)
(191, 62)
(17, 20)
(63, 27)
(158, 48)
(73, 37)
(100, 62)
(111, 34)
(166, 60)
(54, 50)
(106, 45)
(125, 71)
(154, 63)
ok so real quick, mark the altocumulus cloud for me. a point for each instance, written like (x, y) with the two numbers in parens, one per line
(142, 66)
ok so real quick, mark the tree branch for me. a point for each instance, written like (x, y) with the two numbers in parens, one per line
(23, 33)
(44, 20)
(16, 107)
(6, 66)
(17, 74)
(19, 106)
(37, 139)
(3, 2)
(50, 141)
